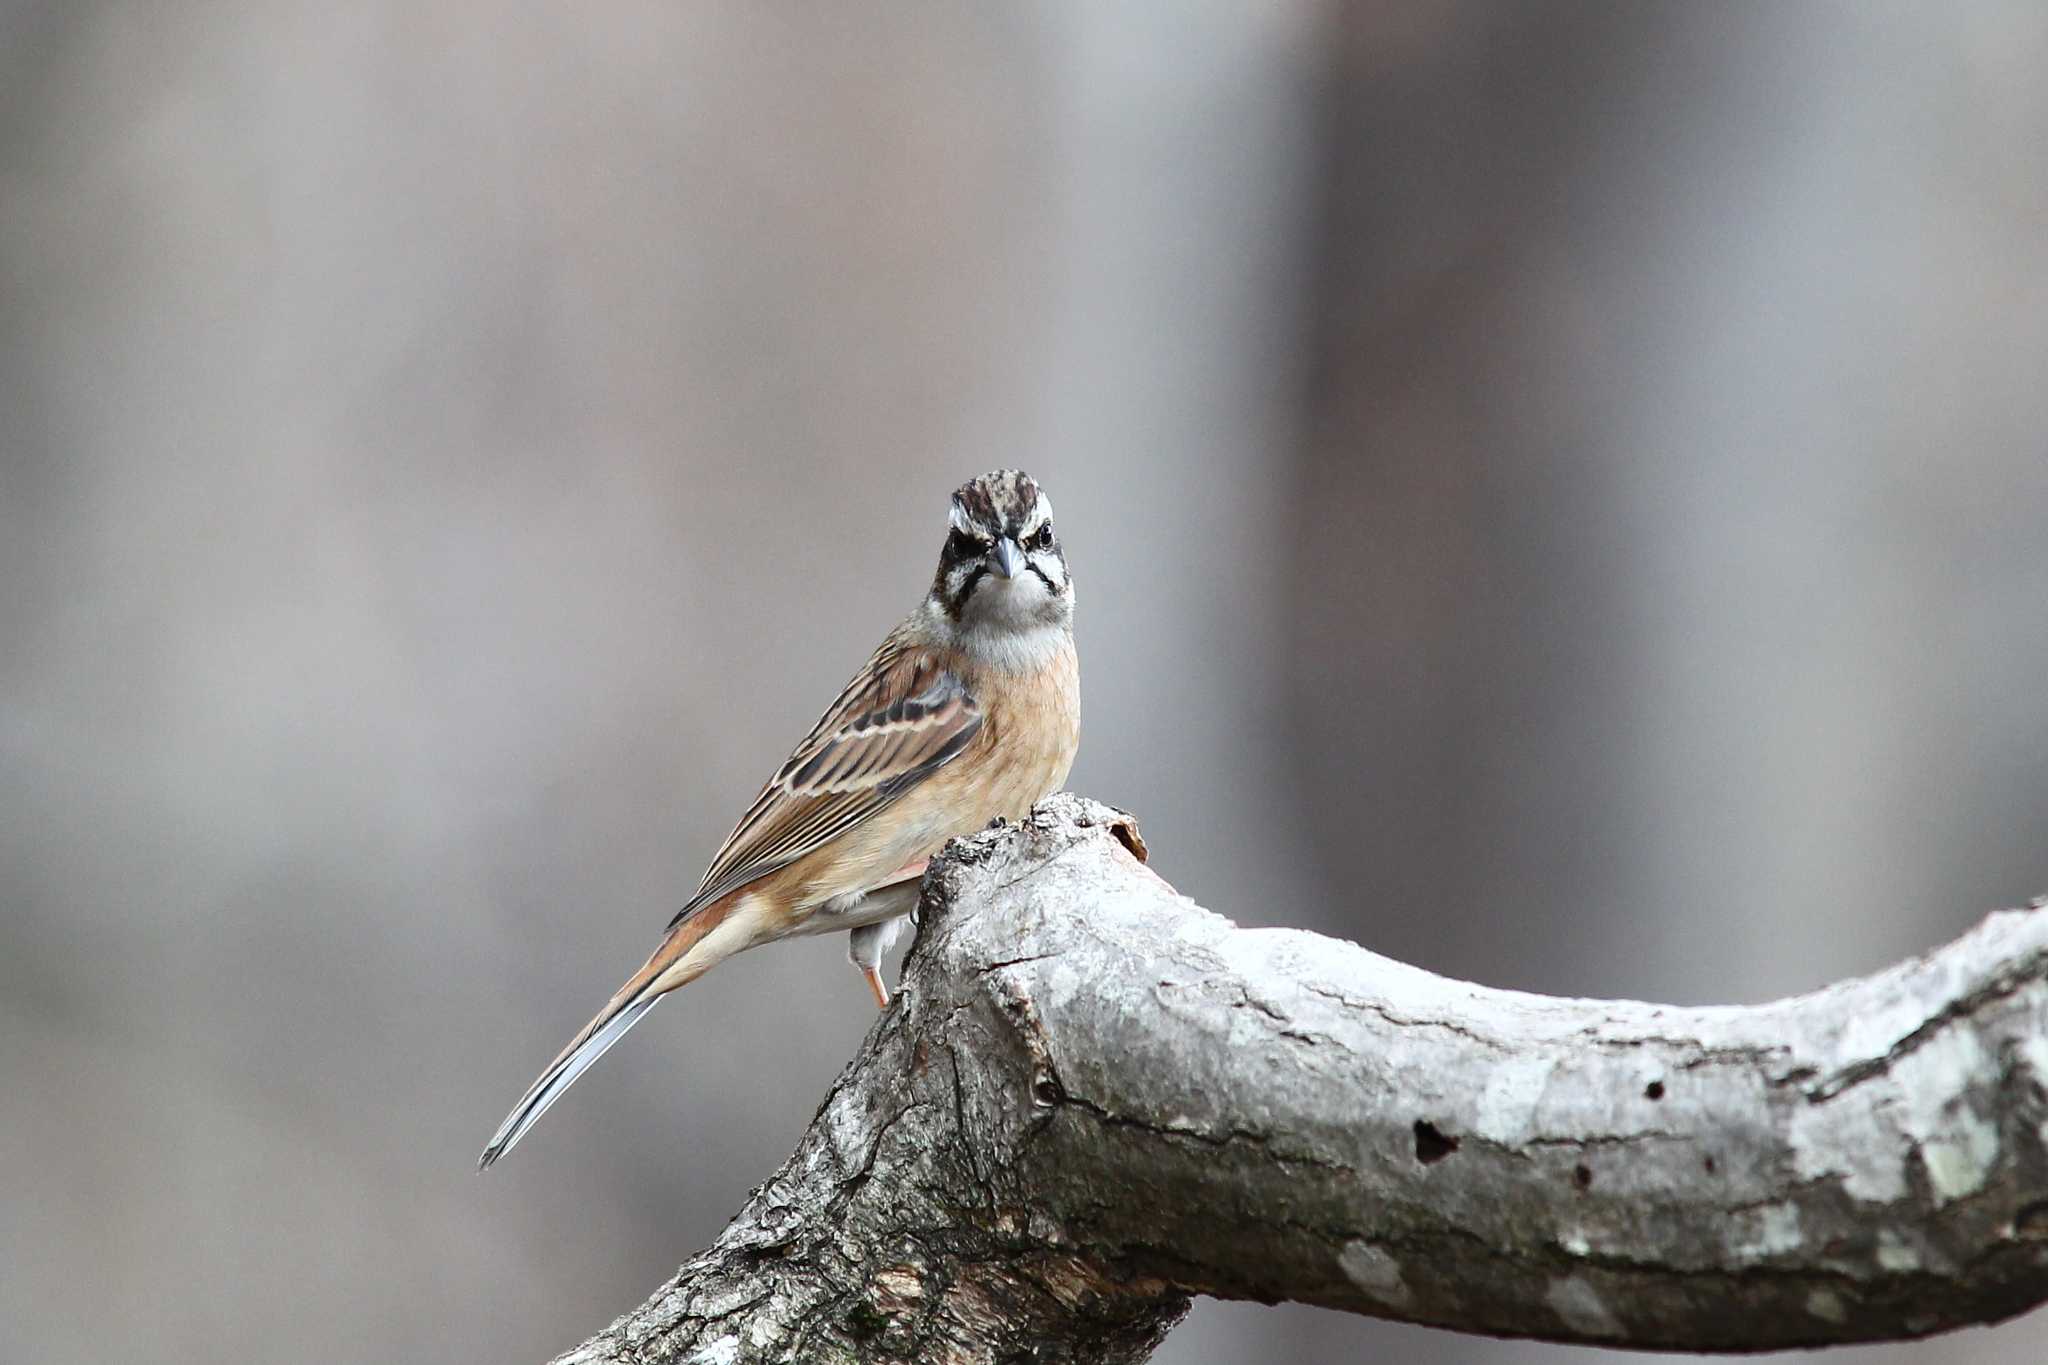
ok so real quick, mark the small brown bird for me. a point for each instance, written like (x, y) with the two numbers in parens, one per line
(969, 710)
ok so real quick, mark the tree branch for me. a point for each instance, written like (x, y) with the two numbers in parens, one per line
(1096, 1099)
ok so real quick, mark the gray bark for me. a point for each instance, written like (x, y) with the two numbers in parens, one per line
(1095, 1099)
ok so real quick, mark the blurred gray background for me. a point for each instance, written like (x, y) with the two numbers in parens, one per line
(1557, 494)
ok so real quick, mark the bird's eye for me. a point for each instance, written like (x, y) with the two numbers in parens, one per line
(964, 546)
(1043, 540)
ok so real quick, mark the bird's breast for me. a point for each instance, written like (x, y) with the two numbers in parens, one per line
(1030, 732)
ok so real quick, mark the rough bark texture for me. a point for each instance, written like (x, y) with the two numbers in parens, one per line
(1095, 1099)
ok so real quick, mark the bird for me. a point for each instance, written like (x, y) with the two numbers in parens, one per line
(968, 711)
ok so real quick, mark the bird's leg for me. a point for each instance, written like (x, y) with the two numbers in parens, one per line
(876, 984)
(864, 949)
(866, 945)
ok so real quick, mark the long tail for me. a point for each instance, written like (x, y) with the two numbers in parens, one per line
(672, 965)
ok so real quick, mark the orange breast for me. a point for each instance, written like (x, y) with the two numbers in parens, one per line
(1030, 732)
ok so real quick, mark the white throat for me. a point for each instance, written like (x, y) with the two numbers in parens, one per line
(1012, 649)
(1005, 645)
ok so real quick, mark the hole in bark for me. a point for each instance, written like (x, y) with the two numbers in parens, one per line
(1582, 1176)
(863, 1322)
(1710, 1165)
(1431, 1145)
(1045, 1090)
(1127, 834)
(2031, 1223)
(1654, 1090)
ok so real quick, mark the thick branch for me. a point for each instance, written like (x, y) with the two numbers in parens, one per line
(1096, 1099)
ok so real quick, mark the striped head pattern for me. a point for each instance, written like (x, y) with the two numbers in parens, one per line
(1001, 567)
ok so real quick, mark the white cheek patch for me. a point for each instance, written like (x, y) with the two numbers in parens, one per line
(1051, 565)
(957, 579)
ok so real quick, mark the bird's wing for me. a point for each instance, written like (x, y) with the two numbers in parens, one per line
(901, 719)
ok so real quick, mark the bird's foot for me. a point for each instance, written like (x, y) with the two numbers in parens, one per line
(873, 976)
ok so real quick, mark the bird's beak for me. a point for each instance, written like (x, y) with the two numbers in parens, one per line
(1006, 558)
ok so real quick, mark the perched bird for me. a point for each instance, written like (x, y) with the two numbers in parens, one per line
(969, 710)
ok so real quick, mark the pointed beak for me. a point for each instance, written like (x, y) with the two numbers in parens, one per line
(1006, 558)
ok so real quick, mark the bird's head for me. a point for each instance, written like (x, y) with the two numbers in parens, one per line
(1001, 567)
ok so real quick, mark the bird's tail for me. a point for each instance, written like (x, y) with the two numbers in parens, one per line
(672, 965)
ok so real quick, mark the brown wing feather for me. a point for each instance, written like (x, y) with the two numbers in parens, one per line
(900, 720)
